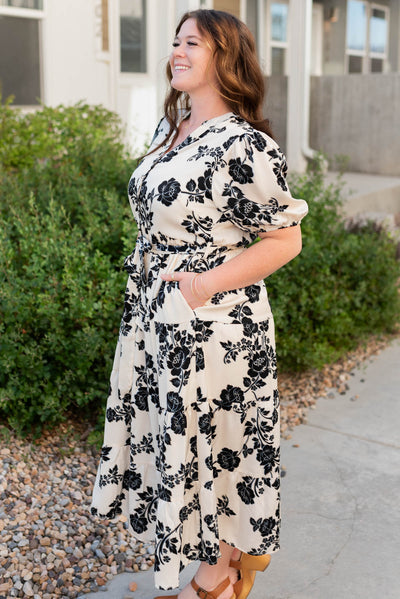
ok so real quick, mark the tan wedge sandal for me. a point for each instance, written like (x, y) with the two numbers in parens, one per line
(202, 593)
(248, 565)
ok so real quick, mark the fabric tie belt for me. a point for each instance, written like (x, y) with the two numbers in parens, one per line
(144, 264)
(135, 262)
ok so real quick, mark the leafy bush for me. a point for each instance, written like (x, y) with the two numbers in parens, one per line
(341, 288)
(74, 154)
(65, 226)
(58, 304)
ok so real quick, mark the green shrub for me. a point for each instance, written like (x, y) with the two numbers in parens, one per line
(341, 288)
(59, 298)
(74, 154)
(65, 226)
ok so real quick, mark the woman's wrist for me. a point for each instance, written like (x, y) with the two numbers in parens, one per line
(197, 288)
(205, 285)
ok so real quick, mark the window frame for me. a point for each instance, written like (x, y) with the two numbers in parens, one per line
(366, 55)
(39, 15)
(27, 13)
(271, 44)
(103, 30)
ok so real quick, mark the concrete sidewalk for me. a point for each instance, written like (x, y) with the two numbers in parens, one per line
(340, 499)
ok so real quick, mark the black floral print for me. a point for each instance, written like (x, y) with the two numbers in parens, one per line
(168, 191)
(191, 446)
(240, 171)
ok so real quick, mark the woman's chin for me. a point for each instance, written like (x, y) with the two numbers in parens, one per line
(179, 86)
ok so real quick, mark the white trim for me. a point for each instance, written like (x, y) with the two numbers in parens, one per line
(41, 63)
(129, 79)
(317, 40)
(101, 55)
(243, 10)
(114, 64)
(27, 13)
(171, 21)
(45, 83)
(277, 44)
(261, 34)
(151, 14)
(298, 105)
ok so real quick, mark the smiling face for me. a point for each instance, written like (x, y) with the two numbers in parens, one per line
(191, 60)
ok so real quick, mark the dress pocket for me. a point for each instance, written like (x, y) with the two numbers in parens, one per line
(172, 308)
(237, 306)
(183, 299)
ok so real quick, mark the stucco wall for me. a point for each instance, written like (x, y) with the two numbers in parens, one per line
(71, 71)
(358, 116)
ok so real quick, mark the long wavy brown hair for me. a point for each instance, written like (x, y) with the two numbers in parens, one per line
(239, 77)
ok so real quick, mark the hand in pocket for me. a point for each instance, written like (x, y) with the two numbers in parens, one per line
(193, 294)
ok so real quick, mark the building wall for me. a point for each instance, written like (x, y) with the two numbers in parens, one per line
(140, 95)
(348, 113)
(358, 116)
(352, 115)
(71, 70)
(76, 68)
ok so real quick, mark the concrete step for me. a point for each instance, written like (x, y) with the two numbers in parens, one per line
(365, 193)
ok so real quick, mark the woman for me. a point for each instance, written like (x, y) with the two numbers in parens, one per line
(191, 451)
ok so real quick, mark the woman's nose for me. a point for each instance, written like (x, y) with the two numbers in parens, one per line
(178, 51)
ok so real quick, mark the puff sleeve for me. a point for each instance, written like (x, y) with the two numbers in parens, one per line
(249, 185)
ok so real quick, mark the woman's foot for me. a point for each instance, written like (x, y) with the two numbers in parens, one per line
(188, 591)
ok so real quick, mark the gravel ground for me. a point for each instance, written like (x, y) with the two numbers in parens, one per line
(50, 546)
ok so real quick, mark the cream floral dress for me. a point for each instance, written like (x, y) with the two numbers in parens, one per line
(191, 445)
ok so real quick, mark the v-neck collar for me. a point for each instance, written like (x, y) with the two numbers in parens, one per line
(194, 135)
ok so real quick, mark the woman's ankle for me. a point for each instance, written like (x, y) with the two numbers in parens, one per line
(211, 586)
(208, 583)
(236, 554)
(209, 577)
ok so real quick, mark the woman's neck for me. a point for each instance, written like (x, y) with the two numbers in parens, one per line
(205, 109)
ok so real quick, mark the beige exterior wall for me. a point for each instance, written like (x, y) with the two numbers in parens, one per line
(358, 116)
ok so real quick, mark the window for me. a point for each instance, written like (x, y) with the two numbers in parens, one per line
(268, 21)
(20, 62)
(32, 4)
(133, 36)
(278, 37)
(366, 37)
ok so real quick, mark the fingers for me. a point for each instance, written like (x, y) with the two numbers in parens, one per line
(176, 276)
(171, 276)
